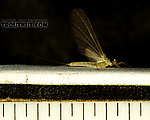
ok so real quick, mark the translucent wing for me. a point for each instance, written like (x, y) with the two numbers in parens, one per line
(85, 36)
(93, 56)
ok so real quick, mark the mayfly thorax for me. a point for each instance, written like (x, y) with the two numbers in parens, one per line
(87, 42)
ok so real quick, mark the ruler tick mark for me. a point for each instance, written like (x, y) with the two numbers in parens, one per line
(83, 111)
(60, 111)
(71, 109)
(140, 109)
(37, 111)
(94, 109)
(3, 109)
(117, 110)
(26, 107)
(129, 110)
(106, 110)
(14, 111)
(49, 109)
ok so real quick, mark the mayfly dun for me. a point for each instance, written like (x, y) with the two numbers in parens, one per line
(87, 42)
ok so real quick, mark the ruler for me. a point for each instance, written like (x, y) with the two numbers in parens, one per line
(72, 93)
(75, 111)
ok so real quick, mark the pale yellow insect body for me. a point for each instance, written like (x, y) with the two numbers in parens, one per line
(87, 42)
(92, 64)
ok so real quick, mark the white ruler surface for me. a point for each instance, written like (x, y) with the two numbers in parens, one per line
(62, 75)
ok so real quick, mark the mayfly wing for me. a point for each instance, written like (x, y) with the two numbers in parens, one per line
(93, 56)
(85, 36)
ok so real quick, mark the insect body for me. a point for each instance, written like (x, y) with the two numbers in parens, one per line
(87, 42)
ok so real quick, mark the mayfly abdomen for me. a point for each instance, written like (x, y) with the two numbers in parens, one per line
(88, 64)
(83, 64)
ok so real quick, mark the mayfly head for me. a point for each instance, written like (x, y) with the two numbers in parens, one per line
(114, 63)
(108, 62)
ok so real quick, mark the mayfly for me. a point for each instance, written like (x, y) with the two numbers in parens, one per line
(87, 42)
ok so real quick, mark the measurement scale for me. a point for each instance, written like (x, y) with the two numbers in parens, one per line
(73, 93)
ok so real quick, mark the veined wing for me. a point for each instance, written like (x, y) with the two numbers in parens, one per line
(85, 36)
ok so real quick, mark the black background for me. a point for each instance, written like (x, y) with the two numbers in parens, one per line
(123, 29)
